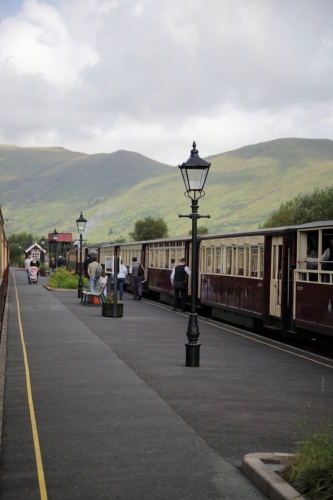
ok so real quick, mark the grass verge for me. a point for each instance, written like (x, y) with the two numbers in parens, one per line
(61, 278)
(310, 470)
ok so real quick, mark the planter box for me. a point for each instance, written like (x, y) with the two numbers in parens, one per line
(107, 310)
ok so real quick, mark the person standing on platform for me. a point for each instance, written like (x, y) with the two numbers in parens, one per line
(178, 281)
(92, 273)
(53, 265)
(27, 266)
(137, 272)
(86, 263)
(104, 280)
(121, 279)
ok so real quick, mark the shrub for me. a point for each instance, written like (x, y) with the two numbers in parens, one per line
(110, 299)
(310, 471)
(61, 278)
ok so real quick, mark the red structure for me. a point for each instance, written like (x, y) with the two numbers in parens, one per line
(62, 237)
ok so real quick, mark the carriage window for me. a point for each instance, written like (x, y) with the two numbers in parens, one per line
(241, 261)
(218, 261)
(229, 259)
(254, 262)
(151, 258)
(179, 243)
(172, 258)
(167, 264)
(261, 261)
(208, 260)
(161, 260)
(179, 254)
(234, 261)
(247, 261)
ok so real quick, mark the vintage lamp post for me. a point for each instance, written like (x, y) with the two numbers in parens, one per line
(81, 224)
(42, 242)
(19, 247)
(194, 172)
(55, 239)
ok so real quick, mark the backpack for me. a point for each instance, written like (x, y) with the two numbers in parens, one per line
(141, 271)
(98, 272)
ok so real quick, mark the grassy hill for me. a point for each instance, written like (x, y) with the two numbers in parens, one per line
(43, 188)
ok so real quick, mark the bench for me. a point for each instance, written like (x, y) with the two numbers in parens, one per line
(98, 293)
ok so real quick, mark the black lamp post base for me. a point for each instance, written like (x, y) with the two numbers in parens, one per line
(193, 354)
(80, 288)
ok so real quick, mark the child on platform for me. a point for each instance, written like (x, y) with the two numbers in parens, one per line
(104, 279)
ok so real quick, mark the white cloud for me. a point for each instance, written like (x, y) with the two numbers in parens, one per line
(37, 42)
(154, 75)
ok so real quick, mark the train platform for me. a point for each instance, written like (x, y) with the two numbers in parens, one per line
(104, 408)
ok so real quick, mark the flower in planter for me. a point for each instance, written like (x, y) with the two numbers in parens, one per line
(109, 299)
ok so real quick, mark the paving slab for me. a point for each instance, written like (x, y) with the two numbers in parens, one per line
(105, 430)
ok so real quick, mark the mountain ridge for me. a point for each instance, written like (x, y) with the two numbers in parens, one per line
(51, 186)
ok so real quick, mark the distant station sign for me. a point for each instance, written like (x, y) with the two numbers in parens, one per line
(62, 237)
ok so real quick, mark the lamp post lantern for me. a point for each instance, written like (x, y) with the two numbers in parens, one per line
(81, 224)
(55, 239)
(194, 172)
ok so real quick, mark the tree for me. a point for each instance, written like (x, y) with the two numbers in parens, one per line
(304, 208)
(200, 230)
(149, 229)
(25, 240)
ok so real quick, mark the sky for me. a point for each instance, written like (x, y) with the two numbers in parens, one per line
(152, 76)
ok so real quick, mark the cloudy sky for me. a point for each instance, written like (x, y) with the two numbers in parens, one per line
(151, 76)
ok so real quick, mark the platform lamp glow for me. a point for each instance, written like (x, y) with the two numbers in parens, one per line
(55, 239)
(194, 171)
(81, 225)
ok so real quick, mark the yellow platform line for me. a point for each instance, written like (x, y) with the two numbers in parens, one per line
(40, 470)
(247, 337)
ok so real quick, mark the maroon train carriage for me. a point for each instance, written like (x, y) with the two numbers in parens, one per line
(251, 278)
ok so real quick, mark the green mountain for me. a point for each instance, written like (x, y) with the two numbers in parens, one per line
(44, 188)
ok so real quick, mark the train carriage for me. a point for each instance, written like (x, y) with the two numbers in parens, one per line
(231, 276)
(313, 283)
(250, 278)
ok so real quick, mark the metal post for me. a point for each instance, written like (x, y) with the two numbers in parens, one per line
(193, 345)
(115, 287)
(80, 285)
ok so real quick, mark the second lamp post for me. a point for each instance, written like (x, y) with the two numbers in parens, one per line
(194, 172)
(81, 224)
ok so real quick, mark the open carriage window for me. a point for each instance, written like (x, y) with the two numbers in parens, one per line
(241, 261)
(218, 261)
(261, 250)
(208, 260)
(228, 260)
(254, 262)
(309, 247)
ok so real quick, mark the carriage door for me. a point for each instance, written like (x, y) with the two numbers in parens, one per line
(276, 275)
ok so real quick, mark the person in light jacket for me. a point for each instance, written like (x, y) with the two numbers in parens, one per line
(121, 279)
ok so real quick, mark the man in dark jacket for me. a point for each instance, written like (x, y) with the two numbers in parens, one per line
(178, 280)
(86, 263)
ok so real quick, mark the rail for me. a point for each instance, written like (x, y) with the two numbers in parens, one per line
(3, 292)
